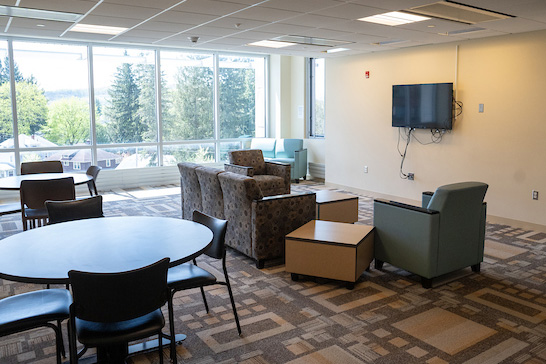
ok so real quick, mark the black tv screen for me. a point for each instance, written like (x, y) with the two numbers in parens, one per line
(423, 106)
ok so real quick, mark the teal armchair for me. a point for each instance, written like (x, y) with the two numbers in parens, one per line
(291, 151)
(444, 235)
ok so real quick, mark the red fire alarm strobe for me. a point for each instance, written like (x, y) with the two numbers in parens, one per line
(367, 74)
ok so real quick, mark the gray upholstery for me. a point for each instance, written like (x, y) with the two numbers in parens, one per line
(445, 235)
(191, 190)
(257, 224)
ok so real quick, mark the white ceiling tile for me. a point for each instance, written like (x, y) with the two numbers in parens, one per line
(302, 6)
(281, 28)
(316, 21)
(132, 12)
(110, 21)
(266, 14)
(69, 6)
(349, 11)
(244, 24)
(182, 17)
(210, 7)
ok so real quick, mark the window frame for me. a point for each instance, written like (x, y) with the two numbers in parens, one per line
(311, 99)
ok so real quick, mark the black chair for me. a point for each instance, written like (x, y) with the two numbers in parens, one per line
(85, 208)
(188, 276)
(31, 310)
(112, 309)
(34, 194)
(41, 167)
(93, 171)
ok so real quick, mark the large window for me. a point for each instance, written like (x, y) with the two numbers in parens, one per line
(316, 97)
(209, 104)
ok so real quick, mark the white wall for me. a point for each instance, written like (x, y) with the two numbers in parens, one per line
(504, 146)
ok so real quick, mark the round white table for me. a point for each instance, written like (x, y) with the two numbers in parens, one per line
(14, 182)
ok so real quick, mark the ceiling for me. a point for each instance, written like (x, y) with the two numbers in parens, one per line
(230, 25)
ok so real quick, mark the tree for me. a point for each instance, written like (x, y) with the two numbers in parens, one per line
(145, 79)
(31, 109)
(68, 122)
(5, 74)
(237, 102)
(192, 107)
(124, 122)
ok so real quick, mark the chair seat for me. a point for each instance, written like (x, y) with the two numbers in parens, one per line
(188, 276)
(270, 185)
(32, 309)
(107, 333)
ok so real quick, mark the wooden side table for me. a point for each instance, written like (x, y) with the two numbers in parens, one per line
(336, 206)
(329, 249)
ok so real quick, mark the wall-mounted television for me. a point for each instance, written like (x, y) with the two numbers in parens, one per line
(423, 106)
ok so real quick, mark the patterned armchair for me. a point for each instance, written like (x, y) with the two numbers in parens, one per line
(257, 224)
(273, 178)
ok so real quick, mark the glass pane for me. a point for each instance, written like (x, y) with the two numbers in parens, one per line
(125, 95)
(52, 94)
(7, 164)
(187, 105)
(242, 95)
(226, 147)
(197, 153)
(124, 158)
(6, 117)
(318, 114)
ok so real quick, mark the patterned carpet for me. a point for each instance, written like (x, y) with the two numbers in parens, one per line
(496, 316)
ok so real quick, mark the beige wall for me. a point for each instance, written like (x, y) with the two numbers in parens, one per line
(505, 146)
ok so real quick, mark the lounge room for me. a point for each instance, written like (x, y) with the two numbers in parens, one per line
(162, 96)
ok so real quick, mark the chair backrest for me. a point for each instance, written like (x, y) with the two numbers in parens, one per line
(462, 220)
(218, 227)
(267, 145)
(93, 171)
(286, 148)
(191, 191)
(113, 297)
(34, 193)
(41, 167)
(86, 208)
(211, 191)
(249, 158)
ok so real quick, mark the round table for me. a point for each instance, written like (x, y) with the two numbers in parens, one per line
(14, 182)
(110, 244)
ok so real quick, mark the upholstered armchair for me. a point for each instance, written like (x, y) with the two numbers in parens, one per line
(444, 235)
(273, 178)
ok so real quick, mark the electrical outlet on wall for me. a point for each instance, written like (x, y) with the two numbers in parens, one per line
(365, 169)
(411, 176)
(535, 195)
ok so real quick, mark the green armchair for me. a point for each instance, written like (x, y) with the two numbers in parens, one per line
(444, 235)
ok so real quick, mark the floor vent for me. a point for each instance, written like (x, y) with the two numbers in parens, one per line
(317, 170)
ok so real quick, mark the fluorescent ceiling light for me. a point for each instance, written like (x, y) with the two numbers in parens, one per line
(394, 18)
(97, 29)
(18, 12)
(335, 50)
(271, 44)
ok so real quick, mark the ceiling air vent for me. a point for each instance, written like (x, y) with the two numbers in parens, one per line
(461, 13)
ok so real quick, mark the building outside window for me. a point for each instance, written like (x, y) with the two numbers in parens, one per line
(209, 104)
(316, 88)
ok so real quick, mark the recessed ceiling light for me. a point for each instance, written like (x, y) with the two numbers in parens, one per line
(394, 18)
(97, 29)
(271, 44)
(18, 12)
(40, 25)
(335, 50)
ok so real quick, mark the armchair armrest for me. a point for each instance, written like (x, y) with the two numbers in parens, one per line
(425, 198)
(245, 171)
(300, 162)
(273, 217)
(407, 236)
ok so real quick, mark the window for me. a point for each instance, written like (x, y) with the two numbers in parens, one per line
(316, 97)
(209, 104)
(77, 166)
(242, 103)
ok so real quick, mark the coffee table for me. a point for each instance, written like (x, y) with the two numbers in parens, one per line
(337, 206)
(329, 249)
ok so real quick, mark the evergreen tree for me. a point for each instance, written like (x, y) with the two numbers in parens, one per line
(192, 105)
(125, 123)
(145, 78)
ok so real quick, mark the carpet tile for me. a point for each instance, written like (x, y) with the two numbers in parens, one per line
(495, 316)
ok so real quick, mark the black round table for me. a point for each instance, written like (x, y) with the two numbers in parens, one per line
(14, 182)
(110, 244)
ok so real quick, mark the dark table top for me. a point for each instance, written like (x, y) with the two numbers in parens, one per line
(14, 182)
(110, 244)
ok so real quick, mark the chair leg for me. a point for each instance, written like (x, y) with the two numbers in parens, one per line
(233, 304)
(171, 328)
(160, 347)
(476, 268)
(426, 282)
(378, 264)
(63, 351)
(204, 299)
(73, 350)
